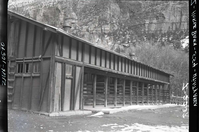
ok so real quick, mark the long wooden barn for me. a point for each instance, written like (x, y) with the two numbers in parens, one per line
(53, 71)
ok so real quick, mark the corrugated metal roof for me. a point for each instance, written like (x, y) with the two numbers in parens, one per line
(59, 30)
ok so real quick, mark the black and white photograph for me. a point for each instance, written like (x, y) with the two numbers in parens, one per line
(98, 65)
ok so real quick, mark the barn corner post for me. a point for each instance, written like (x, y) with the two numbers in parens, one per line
(51, 96)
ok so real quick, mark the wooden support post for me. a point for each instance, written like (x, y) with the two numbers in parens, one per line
(131, 87)
(142, 93)
(106, 91)
(94, 90)
(31, 87)
(160, 98)
(163, 95)
(170, 93)
(148, 87)
(156, 94)
(153, 94)
(115, 88)
(124, 85)
(51, 92)
(137, 92)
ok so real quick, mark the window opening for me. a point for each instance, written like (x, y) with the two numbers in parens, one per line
(27, 67)
(20, 68)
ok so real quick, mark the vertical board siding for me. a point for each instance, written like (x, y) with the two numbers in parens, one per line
(90, 54)
(58, 82)
(130, 65)
(77, 87)
(17, 93)
(74, 49)
(135, 64)
(106, 91)
(124, 61)
(30, 40)
(151, 73)
(120, 67)
(139, 70)
(26, 93)
(17, 37)
(127, 65)
(10, 35)
(36, 92)
(80, 47)
(116, 63)
(147, 71)
(45, 84)
(123, 66)
(103, 59)
(107, 59)
(21, 47)
(65, 49)
(142, 71)
(112, 61)
(38, 41)
(48, 44)
(94, 90)
(58, 48)
(98, 57)
(67, 94)
(123, 92)
(93, 56)
(115, 92)
(86, 53)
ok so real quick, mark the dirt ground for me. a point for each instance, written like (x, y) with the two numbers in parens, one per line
(149, 120)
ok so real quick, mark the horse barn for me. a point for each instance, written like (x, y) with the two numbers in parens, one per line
(53, 71)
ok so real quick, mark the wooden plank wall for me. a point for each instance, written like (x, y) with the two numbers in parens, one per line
(28, 40)
(76, 50)
(107, 90)
(31, 44)
(88, 97)
(31, 89)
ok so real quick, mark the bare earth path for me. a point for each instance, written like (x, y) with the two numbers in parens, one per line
(148, 120)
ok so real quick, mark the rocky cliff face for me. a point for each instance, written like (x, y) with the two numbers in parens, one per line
(111, 23)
